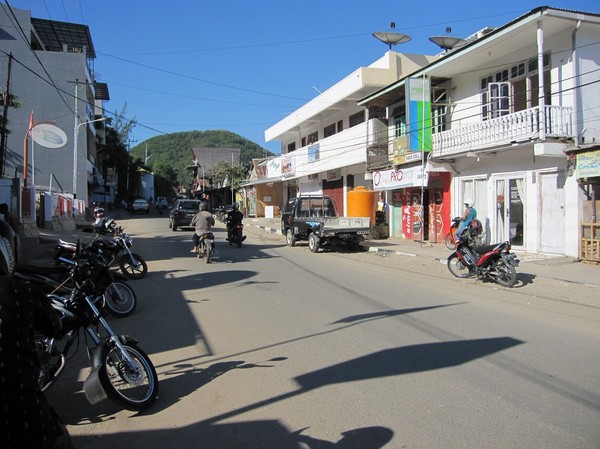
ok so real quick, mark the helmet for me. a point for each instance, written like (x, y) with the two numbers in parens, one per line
(203, 206)
(235, 206)
(9, 249)
(468, 202)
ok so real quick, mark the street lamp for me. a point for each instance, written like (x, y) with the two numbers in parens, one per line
(75, 137)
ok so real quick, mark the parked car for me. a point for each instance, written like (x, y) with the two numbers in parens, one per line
(139, 206)
(161, 202)
(182, 213)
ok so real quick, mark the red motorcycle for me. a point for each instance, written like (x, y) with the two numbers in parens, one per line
(495, 262)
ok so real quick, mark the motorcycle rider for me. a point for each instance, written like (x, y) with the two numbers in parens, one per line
(468, 216)
(203, 221)
(234, 217)
(26, 417)
(98, 210)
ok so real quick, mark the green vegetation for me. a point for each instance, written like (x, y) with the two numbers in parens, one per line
(168, 155)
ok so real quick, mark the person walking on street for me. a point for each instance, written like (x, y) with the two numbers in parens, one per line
(203, 222)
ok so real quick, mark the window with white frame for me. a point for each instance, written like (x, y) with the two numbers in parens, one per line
(514, 88)
(399, 125)
(439, 109)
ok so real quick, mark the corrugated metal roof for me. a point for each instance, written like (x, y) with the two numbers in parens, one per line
(55, 34)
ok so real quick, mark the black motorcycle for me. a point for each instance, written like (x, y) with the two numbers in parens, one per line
(117, 298)
(119, 369)
(115, 250)
(235, 234)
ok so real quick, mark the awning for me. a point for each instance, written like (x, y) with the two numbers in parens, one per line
(254, 182)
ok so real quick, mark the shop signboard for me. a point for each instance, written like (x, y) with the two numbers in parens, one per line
(400, 178)
(588, 164)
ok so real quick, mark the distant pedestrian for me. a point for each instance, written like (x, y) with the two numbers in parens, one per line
(9, 217)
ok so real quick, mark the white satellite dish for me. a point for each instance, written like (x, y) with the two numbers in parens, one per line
(48, 135)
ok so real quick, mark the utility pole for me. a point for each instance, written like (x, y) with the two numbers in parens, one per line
(5, 118)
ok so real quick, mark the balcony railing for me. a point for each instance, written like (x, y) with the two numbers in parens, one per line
(506, 130)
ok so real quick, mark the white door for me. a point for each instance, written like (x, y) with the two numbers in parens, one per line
(509, 220)
(552, 212)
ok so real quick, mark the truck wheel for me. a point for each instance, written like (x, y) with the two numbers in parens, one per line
(290, 238)
(313, 243)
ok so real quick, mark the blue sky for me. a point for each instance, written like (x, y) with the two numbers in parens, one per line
(241, 65)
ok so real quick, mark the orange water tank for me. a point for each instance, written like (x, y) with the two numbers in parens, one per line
(361, 203)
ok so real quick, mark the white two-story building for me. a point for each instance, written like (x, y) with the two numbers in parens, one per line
(509, 110)
(323, 143)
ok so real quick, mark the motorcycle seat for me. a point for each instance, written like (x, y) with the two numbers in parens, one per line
(484, 248)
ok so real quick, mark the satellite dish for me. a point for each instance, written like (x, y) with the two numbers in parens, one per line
(447, 42)
(48, 135)
(391, 37)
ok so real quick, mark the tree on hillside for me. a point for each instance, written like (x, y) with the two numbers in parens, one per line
(223, 171)
(174, 149)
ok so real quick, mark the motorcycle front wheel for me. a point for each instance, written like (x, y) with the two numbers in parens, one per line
(449, 241)
(120, 299)
(134, 387)
(133, 269)
(457, 267)
(507, 275)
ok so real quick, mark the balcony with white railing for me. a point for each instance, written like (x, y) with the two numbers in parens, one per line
(520, 126)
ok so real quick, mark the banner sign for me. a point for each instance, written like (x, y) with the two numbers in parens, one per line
(418, 113)
(287, 165)
(400, 178)
(313, 153)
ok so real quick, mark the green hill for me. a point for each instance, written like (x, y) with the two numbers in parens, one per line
(173, 152)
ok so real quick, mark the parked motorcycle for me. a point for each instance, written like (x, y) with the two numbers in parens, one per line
(236, 234)
(488, 261)
(119, 369)
(114, 250)
(117, 298)
(206, 247)
(473, 232)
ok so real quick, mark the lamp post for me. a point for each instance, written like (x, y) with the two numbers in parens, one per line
(76, 136)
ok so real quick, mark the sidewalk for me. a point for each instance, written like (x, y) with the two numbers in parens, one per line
(551, 266)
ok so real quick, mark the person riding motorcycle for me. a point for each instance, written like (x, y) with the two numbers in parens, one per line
(26, 417)
(234, 217)
(203, 221)
(468, 216)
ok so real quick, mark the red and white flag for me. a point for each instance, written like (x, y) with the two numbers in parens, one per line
(30, 123)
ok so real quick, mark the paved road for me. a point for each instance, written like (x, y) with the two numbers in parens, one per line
(276, 347)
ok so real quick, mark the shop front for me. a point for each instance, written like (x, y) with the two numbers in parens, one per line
(419, 202)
